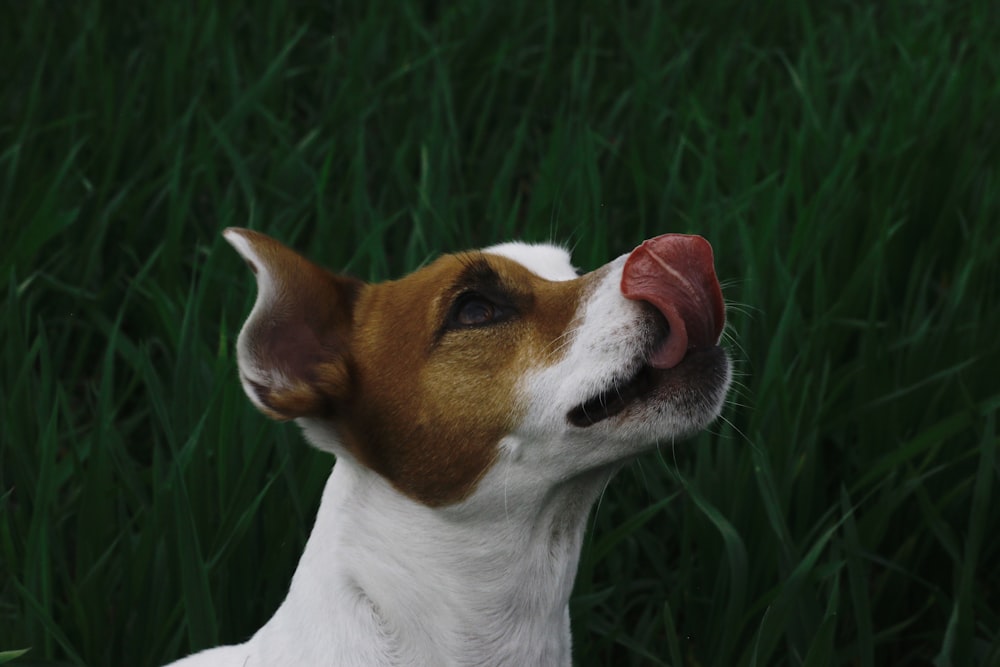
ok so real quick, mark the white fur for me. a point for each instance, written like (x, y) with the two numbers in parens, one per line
(545, 261)
(387, 581)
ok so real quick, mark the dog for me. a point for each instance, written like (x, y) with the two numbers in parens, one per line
(476, 408)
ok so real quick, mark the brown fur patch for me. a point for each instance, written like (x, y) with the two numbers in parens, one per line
(427, 414)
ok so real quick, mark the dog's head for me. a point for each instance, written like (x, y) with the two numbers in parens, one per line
(500, 354)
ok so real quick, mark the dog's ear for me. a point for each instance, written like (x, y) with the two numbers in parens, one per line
(293, 352)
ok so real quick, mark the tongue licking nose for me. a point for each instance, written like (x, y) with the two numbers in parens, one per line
(675, 273)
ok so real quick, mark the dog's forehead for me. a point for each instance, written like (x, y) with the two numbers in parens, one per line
(545, 260)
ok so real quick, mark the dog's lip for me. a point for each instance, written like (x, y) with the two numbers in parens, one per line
(636, 380)
(636, 385)
(620, 393)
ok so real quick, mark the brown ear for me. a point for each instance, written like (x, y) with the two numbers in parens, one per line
(293, 351)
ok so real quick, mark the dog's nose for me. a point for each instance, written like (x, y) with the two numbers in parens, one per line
(676, 274)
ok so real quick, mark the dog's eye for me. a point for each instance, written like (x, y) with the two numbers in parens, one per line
(472, 310)
(475, 310)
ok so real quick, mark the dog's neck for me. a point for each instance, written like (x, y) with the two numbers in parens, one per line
(454, 586)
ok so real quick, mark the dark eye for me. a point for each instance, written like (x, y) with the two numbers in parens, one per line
(473, 310)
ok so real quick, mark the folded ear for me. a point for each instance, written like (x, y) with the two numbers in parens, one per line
(293, 352)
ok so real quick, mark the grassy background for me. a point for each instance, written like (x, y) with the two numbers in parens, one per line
(842, 160)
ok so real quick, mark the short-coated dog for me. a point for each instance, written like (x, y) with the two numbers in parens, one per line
(476, 408)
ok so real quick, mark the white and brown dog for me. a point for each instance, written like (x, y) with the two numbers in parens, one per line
(476, 408)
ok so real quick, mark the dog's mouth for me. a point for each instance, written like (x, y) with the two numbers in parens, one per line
(696, 372)
(624, 391)
(615, 399)
(674, 275)
(692, 387)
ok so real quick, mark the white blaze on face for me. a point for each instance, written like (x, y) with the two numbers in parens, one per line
(545, 261)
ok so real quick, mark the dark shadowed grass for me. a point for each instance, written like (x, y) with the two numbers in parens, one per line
(842, 160)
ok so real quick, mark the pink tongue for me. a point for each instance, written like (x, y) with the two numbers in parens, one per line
(675, 273)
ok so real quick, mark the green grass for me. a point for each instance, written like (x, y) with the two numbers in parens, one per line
(843, 158)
